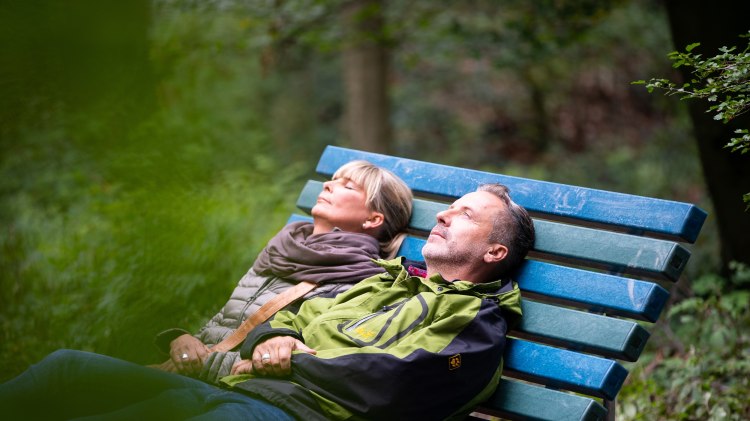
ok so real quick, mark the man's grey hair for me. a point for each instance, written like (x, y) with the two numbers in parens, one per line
(513, 229)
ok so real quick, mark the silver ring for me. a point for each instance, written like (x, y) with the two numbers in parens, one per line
(265, 357)
(184, 356)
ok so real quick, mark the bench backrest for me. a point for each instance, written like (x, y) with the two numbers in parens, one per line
(594, 272)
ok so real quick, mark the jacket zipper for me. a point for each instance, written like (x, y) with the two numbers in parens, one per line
(383, 310)
(267, 284)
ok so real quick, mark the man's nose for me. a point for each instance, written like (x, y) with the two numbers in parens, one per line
(443, 217)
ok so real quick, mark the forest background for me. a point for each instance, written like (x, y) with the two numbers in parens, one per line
(149, 149)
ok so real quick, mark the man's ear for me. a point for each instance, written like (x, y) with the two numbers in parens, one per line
(375, 220)
(495, 253)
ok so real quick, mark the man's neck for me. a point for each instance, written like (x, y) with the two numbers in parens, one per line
(451, 274)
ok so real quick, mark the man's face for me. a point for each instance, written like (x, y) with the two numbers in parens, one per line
(462, 233)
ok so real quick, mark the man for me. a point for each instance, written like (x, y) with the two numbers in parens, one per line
(400, 345)
(410, 343)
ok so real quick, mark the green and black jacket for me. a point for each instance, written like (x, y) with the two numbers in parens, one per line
(395, 346)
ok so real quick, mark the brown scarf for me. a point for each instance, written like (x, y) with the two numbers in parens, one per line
(338, 256)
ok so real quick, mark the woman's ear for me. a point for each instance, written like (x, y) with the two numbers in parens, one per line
(375, 220)
(495, 253)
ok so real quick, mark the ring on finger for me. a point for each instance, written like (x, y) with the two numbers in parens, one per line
(265, 357)
(184, 356)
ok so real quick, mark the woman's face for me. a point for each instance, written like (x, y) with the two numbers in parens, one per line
(341, 204)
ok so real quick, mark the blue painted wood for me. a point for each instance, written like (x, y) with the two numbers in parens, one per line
(636, 214)
(563, 369)
(594, 291)
(295, 217)
(581, 331)
(615, 252)
(517, 400)
(611, 251)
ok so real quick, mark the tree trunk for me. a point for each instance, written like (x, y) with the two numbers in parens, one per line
(727, 174)
(365, 62)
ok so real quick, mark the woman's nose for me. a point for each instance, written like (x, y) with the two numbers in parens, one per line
(328, 186)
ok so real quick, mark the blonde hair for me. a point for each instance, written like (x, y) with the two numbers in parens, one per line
(387, 194)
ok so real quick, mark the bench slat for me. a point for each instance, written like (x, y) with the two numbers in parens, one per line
(517, 400)
(563, 369)
(619, 253)
(611, 251)
(597, 292)
(635, 214)
(577, 330)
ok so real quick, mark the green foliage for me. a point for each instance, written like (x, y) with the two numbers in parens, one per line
(698, 364)
(722, 80)
(115, 227)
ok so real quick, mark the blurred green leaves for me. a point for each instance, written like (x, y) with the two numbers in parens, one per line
(139, 173)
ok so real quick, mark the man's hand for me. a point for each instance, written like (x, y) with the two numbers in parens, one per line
(194, 349)
(278, 353)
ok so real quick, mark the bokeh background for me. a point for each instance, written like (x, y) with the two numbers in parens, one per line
(149, 149)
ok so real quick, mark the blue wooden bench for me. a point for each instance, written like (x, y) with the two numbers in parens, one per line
(594, 276)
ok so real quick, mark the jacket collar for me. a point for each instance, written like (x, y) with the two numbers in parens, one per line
(400, 268)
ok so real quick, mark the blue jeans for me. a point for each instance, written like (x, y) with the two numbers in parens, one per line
(74, 384)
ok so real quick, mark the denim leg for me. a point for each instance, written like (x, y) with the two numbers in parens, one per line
(68, 384)
(198, 402)
(227, 405)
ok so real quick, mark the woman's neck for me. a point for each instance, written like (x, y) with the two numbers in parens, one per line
(321, 227)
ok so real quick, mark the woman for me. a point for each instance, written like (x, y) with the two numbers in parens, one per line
(360, 215)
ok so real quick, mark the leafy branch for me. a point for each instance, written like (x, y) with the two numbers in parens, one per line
(725, 75)
(722, 80)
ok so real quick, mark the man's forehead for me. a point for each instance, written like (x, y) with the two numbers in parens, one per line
(479, 201)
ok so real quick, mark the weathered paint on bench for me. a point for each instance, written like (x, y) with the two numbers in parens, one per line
(564, 369)
(674, 220)
(523, 401)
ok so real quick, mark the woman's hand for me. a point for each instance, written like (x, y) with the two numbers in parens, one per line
(243, 367)
(187, 354)
(273, 357)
